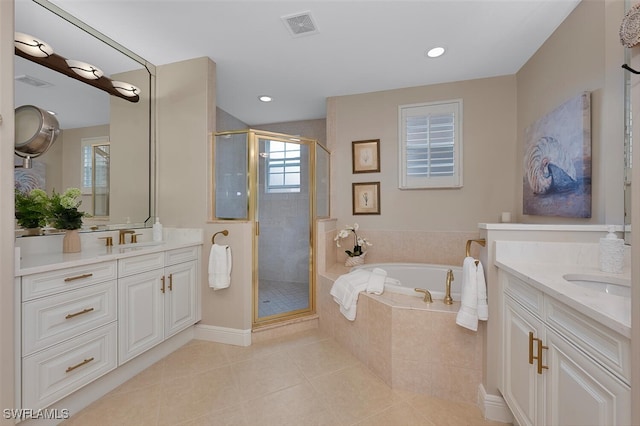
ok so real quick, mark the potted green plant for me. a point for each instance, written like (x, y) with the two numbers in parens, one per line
(31, 210)
(64, 214)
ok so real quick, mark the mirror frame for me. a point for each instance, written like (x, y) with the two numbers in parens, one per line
(152, 190)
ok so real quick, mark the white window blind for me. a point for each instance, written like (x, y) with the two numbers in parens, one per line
(430, 145)
(86, 162)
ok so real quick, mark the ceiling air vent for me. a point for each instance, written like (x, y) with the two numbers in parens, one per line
(300, 24)
(32, 81)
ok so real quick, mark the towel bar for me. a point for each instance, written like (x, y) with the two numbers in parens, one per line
(481, 241)
(213, 239)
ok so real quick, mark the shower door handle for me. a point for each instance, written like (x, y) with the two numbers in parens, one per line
(257, 228)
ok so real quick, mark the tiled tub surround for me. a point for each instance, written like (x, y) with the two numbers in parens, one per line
(409, 344)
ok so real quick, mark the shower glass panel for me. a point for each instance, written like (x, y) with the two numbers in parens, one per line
(230, 156)
(283, 214)
(322, 182)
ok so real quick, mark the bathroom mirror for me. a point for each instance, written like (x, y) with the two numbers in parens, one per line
(86, 113)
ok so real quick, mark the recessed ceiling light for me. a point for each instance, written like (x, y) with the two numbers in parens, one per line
(435, 52)
(265, 98)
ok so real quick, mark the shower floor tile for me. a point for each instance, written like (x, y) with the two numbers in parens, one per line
(277, 297)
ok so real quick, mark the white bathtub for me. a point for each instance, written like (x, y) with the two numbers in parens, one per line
(419, 275)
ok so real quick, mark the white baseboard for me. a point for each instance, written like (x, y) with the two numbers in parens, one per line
(493, 407)
(229, 336)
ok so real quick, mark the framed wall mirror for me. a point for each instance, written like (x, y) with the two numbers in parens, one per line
(116, 176)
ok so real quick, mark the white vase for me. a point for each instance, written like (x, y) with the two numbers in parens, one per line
(355, 260)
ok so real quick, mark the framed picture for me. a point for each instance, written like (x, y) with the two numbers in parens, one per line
(366, 198)
(366, 156)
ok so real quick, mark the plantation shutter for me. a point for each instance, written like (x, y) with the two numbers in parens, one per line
(430, 151)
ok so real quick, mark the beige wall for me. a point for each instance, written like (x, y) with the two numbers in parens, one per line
(7, 346)
(186, 119)
(583, 54)
(489, 157)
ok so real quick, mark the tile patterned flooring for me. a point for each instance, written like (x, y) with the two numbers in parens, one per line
(276, 297)
(301, 379)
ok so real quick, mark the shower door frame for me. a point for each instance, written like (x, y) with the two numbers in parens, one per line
(254, 170)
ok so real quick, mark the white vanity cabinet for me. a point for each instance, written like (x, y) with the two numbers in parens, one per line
(68, 323)
(560, 366)
(157, 298)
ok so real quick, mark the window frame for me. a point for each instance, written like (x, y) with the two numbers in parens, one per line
(286, 164)
(405, 181)
(89, 143)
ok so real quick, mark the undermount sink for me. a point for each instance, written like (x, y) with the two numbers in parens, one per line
(616, 286)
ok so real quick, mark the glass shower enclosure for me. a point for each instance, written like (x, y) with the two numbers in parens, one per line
(279, 183)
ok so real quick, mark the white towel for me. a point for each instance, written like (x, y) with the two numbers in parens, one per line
(376, 281)
(473, 306)
(483, 308)
(347, 288)
(220, 263)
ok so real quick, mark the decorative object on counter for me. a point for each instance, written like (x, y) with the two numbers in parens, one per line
(557, 161)
(356, 257)
(64, 214)
(31, 210)
(630, 27)
(611, 253)
(366, 197)
(157, 230)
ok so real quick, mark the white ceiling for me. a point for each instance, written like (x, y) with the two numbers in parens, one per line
(361, 46)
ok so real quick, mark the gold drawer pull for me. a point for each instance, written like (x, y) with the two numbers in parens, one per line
(79, 277)
(539, 357)
(84, 311)
(162, 288)
(86, 361)
(170, 282)
(531, 339)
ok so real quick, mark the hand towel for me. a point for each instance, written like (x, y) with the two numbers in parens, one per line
(468, 314)
(483, 308)
(220, 263)
(376, 281)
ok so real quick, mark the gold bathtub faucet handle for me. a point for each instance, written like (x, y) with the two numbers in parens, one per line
(427, 294)
(448, 300)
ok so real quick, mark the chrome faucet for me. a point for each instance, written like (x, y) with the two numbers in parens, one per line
(427, 294)
(123, 233)
(448, 300)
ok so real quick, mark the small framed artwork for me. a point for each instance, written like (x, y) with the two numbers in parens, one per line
(366, 198)
(366, 156)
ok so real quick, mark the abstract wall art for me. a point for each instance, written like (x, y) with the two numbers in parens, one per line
(557, 161)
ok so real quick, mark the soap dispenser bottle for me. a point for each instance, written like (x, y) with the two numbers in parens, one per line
(611, 252)
(157, 230)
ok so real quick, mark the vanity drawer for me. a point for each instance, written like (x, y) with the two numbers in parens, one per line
(47, 283)
(523, 293)
(52, 374)
(601, 343)
(137, 264)
(181, 255)
(50, 320)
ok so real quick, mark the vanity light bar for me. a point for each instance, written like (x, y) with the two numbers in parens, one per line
(58, 63)
(32, 46)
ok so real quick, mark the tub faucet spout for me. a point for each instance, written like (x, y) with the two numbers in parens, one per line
(427, 294)
(448, 300)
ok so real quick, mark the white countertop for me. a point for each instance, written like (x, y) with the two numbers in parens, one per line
(33, 262)
(611, 311)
